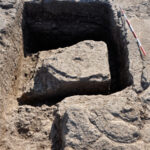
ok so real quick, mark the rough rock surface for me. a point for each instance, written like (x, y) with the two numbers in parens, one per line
(85, 125)
(35, 111)
(80, 73)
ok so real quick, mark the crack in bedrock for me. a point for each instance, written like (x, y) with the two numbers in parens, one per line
(61, 24)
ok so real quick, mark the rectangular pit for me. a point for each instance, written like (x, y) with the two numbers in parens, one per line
(61, 24)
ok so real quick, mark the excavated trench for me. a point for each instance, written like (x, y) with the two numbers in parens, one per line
(62, 24)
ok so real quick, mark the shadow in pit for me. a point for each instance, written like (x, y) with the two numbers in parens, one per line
(61, 24)
(55, 134)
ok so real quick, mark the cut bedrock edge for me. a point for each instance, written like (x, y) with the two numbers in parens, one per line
(62, 24)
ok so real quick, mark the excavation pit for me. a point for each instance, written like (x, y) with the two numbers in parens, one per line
(62, 24)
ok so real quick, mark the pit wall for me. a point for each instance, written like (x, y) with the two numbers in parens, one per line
(11, 53)
(118, 52)
(13, 47)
